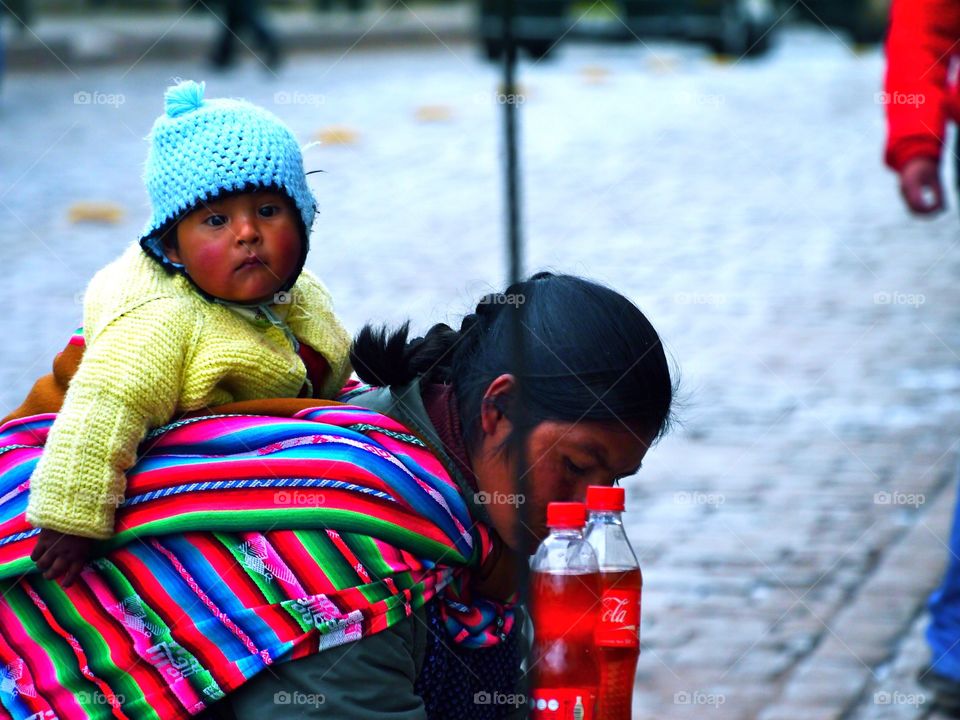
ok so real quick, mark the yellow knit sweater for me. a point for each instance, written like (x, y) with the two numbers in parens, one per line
(156, 348)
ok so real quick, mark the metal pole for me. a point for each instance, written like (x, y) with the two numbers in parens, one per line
(515, 251)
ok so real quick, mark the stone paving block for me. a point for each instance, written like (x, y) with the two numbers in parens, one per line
(759, 666)
(806, 711)
(825, 685)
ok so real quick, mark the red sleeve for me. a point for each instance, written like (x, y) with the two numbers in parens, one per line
(317, 369)
(923, 36)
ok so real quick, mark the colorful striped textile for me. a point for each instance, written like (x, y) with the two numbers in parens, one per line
(243, 541)
(77, 338)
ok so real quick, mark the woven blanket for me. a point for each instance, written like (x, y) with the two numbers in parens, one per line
(243, 541)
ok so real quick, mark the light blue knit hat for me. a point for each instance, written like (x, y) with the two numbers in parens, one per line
(201, 148)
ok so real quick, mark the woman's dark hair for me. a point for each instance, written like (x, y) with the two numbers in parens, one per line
(589, 354)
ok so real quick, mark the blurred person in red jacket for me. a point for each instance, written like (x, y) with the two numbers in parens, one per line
(923, 58)
(923, 50)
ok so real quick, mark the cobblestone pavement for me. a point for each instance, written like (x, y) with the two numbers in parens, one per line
(791, 527)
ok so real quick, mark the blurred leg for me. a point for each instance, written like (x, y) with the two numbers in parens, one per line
(943, 635)
(3, 56)
(253, 18)
(232, 19)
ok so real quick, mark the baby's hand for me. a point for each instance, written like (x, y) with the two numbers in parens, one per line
(58, 553)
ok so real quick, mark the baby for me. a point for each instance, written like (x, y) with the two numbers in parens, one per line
(212, 306)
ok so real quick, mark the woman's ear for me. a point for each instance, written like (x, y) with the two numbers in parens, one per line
(493, 414)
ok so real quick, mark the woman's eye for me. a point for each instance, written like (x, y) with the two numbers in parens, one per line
(575, 469)
(215, 220)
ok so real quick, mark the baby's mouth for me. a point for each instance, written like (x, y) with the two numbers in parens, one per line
(251, 261)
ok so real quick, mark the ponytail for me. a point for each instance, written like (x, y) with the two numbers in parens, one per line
(380, 357)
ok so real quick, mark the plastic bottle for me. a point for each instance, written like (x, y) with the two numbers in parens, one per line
(617, 634)
(564, 593)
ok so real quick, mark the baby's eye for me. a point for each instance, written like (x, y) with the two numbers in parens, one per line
(269, 210)
(215, 220)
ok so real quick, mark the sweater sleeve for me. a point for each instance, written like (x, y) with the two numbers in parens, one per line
(128, 382)
(923, 37)
(314, 321)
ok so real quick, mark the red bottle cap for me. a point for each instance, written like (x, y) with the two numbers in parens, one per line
(566, 515)
(605, 499)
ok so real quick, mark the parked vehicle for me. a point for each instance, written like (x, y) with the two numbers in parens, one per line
(729, 27)
(865, 20)
(538, 25)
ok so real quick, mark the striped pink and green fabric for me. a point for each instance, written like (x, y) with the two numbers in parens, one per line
(243, 541)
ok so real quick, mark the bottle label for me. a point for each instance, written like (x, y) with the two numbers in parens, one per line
(619, 624)
(563, 704)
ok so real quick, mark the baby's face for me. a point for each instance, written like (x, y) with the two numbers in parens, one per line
(242, 248)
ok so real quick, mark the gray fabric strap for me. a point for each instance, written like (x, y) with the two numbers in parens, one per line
(372, 678)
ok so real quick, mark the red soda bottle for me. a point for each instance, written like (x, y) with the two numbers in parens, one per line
(564, 587)
(617, 634)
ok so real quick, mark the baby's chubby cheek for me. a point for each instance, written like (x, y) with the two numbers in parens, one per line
(287, 249)
(210, 265)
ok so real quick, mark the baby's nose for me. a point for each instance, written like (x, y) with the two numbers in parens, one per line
(247, 230)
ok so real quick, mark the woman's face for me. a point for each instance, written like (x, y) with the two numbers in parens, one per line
(563, 458)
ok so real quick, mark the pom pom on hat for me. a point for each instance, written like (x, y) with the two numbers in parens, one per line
(203, 147)
(184, 97)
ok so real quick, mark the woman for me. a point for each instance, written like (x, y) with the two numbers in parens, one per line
(597, 394)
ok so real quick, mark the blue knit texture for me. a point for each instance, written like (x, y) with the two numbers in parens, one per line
(201, 148)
